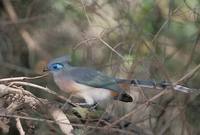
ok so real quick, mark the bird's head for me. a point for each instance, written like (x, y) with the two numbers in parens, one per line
(58, 64)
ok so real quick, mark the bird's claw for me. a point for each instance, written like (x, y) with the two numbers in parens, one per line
(92, 107)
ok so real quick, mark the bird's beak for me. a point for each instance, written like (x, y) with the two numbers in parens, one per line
(45, 70)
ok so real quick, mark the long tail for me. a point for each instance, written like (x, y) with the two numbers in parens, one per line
(157, 85)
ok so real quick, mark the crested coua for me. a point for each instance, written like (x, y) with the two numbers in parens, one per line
(91, 85)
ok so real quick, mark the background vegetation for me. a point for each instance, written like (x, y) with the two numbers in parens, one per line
(142, 39)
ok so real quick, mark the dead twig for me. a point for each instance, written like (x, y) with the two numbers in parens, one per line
(59, 116)
(21, 78)
(32, 101)
(142, 106)
(75, 125)
(44, 89)
(188, 75)
(19, 127)
(112, 49)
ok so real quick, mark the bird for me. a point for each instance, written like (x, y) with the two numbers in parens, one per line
(95, 86)
(88, 83)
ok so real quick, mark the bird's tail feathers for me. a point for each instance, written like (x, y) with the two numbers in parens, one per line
(157, 85)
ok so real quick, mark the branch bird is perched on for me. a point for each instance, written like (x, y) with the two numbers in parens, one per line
(87, 83)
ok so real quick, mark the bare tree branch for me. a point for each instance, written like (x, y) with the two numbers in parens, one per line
(59, 116)
(19, 127)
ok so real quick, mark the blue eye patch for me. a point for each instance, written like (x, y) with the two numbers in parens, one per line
(56, 66)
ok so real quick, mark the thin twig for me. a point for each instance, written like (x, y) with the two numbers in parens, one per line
(19, 127)
(192, 52)
(158, 32)
(44, 89)
(139, 108)
(21, 78)
(55, 112)
(84, 9)
(188, 75)
(100, 39)
(83, 42)
(75, 125)
(190, 8)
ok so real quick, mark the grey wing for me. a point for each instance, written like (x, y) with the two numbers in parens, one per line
(95, 79)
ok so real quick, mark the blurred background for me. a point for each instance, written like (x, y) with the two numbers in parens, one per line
(134, 39)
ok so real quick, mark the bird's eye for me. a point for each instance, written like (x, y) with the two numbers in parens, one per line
(57, 66)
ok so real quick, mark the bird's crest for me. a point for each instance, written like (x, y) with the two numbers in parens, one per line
(64, 60)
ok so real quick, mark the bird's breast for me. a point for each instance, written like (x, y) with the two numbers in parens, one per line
(68, 86)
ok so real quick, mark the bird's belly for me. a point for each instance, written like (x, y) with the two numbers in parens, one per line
(90, 94)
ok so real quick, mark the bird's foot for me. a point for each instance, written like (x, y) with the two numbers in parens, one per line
(92, 107)
(85, 105)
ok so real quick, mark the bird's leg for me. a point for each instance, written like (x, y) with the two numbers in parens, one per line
(93, 107)
(83, 104)
(89, 102)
